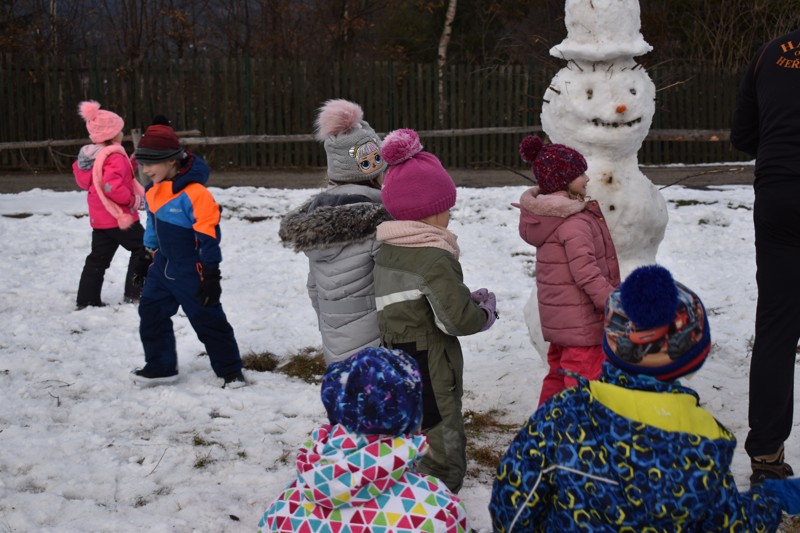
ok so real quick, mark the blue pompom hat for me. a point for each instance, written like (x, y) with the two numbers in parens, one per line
(655, 326)
(375, 391)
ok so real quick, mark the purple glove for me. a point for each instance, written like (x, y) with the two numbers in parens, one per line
(489, 304)
(480, 295)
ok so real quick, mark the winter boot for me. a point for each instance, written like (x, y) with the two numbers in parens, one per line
(234, 381)
(770, 466)
(147, 378)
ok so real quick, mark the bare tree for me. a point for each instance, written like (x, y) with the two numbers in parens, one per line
(727, 34)
(441, 59)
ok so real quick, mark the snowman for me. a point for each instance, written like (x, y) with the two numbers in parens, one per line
(602, 103)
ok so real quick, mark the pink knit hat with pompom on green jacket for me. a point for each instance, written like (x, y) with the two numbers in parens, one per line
(416, 185)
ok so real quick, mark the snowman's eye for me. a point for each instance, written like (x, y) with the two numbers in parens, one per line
(633, 91)
(589, 93)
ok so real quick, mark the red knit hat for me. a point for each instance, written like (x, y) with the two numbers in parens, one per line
(158, 144)
(416, 185)
(554, 165)
(102, 125)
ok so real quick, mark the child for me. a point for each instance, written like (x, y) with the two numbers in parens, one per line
(634, 451)
(183, 234)
(576, 264)
(423, 304)
(357, 473)
(336, 230)
(114, 199)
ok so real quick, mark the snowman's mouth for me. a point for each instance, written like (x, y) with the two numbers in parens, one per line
(630, 123)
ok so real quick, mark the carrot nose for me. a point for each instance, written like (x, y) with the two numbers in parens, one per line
(622, 108)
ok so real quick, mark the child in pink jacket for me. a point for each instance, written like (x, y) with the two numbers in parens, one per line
(576, 264)
(114, 198)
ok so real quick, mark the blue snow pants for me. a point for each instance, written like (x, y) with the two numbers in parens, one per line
(162, 295)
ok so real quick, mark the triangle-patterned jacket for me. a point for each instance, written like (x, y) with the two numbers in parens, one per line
(353, 483)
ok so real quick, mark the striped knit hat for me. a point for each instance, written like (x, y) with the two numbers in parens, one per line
(158, 144)
(655, 326)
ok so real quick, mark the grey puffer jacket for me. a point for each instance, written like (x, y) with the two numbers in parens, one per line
(336, 230)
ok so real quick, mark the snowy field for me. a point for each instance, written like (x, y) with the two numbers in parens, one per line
(83, 449)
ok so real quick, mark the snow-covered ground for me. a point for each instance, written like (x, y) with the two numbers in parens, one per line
(83, 449)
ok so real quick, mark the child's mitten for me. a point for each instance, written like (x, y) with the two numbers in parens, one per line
(137, 202)
(489, 304)
(209, 290)
(787, 491)
(480, 295)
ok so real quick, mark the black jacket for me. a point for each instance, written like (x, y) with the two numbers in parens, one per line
(766, 123)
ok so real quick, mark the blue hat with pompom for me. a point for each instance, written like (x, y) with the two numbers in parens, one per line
(375, 391)
(655, 326)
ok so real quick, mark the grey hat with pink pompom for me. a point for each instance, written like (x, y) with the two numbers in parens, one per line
(352, 147)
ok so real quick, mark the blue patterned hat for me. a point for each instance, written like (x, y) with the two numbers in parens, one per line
(655, 326)
(375, 391)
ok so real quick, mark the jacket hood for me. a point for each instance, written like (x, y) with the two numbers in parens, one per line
(337, 468)
(193, 170)
(544, 213)
(332, 219)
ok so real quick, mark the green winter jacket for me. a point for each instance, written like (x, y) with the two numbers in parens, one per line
(421, 297)
(423, 306)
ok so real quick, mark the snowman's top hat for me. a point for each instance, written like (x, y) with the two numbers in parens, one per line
(601, 30)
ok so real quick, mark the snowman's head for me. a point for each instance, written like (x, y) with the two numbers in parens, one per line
(600, 108)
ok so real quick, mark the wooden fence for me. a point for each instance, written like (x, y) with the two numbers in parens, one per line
(265, 98)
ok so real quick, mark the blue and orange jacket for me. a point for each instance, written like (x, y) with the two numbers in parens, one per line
(626, 453)
(183, 220)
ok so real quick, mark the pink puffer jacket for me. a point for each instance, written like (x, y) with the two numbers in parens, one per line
(576, 265)
(118, 186)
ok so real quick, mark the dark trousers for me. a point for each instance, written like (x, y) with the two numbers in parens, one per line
(776, 217)
(104, 245)
(442, 420)
(160, 300)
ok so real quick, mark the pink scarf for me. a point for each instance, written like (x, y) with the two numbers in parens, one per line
(125, 220)
(415, 234)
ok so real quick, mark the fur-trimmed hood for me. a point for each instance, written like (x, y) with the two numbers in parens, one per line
(337, 217)
(543, 213)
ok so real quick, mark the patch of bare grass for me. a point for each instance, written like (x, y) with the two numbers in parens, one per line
(487, 440)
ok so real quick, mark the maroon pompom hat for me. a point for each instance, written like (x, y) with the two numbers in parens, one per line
(554, 165)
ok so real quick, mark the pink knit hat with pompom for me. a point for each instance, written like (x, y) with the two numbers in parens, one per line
(554, 165)
(102, 125)
(416, 185)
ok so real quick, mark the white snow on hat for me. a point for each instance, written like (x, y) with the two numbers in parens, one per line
(601, 30)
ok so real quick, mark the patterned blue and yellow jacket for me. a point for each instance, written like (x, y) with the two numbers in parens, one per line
(625, 453)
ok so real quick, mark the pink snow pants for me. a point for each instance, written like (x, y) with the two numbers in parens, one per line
(584, 360)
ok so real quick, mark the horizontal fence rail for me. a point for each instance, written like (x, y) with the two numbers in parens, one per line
(257, 113)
